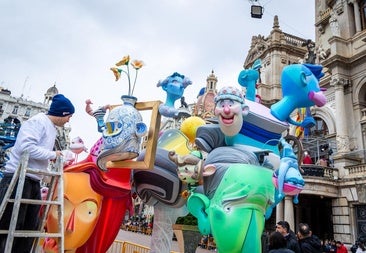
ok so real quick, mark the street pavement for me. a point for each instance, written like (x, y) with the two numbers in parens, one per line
(144, 240)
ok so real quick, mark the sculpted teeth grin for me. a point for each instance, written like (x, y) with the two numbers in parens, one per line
(227, 120)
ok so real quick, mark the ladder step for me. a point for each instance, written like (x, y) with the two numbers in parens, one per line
(44, 172)
(36, 202)
(31, 233)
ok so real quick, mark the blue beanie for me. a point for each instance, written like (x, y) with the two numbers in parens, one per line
(61, 106)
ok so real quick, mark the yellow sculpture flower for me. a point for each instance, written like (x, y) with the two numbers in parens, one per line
(125, 60)
(116, 72)
(136, 64)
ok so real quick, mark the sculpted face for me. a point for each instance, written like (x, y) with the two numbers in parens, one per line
(81, 210)
(230, 115)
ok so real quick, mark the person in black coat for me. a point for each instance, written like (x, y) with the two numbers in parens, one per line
(308, 242)
(291, 240)
(277, 243)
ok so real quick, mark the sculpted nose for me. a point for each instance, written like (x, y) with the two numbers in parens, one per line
(70, 224)
(318, 98)
(226, 109)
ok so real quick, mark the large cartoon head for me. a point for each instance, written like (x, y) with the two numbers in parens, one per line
(235, 213)
(174, 85)
(230, 109)
(82, 206)
(300, 88)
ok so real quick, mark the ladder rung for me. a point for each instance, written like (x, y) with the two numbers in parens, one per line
(31, 233)
(36, 202)
(18, 180)
(44, 172)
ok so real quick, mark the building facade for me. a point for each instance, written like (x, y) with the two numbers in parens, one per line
(334, 199)
(15, 110)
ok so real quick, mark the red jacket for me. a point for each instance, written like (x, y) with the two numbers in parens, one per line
(341, 249)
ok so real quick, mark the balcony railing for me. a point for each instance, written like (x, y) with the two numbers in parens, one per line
(355, 170)
(319, 171)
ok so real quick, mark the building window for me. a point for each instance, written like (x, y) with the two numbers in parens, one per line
(361, 219)
(363, 13)
(320, 129)
(27, 112)
(15, 109)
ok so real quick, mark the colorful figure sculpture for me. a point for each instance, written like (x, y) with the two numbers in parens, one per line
(237, 177)
(174, 86)
(287, 178)
(300, 88)
(81, 211)
(97, 114)
(248, 79)
(95, 204)
(124, 128)
(77, 146)
(162, 186)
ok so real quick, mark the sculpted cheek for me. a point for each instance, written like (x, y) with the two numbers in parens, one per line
(218, 111)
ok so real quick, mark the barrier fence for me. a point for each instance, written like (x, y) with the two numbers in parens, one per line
(129, 247)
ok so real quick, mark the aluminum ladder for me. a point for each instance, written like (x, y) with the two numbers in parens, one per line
(56, 184)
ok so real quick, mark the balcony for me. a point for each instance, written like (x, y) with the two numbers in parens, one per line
(319, 171)
(355, 171)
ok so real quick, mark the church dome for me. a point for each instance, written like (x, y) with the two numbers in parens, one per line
(52, 91)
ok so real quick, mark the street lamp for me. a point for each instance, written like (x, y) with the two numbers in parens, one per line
(256, 11)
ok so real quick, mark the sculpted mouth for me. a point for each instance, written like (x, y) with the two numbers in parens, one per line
(227, 120)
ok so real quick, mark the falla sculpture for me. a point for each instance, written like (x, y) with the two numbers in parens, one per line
(249, 166)
(230, 179)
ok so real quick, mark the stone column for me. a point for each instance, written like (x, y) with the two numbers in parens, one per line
(341, 122)
(289, 211)
(280, 211)
(356, 11)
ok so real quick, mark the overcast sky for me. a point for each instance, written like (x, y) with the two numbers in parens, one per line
(73, 43)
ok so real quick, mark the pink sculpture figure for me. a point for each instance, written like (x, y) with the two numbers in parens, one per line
(77, 146)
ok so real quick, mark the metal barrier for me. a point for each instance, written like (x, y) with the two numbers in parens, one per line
(129, 247)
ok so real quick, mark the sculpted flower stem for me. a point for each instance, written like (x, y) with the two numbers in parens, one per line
(134, 83)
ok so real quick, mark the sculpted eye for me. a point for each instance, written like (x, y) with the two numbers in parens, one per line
(229, 203)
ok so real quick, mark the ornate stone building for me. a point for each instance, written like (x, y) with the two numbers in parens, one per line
(334, 199)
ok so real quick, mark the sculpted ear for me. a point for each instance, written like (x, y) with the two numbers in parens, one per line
(245, 110)
(208, 170)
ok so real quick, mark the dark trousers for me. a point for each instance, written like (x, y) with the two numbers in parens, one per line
(28, 218)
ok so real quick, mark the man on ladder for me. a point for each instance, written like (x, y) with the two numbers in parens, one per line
(37, 137)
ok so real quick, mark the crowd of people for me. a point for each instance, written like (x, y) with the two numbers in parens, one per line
(138, 225)
(285, 240)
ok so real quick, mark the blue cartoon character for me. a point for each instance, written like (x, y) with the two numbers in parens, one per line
(300, 88)
(248, 79)
(287, 178)
(174, 86)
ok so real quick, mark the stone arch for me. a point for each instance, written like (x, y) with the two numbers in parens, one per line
(325, 114)
(359, 91)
